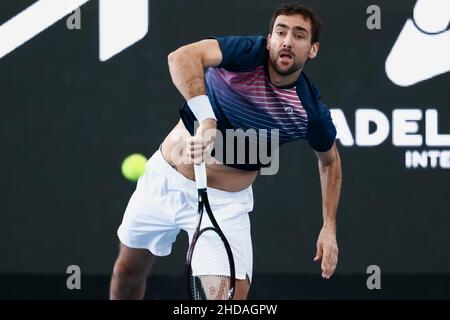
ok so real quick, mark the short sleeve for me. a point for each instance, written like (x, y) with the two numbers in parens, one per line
(242, 53)
(321, 131)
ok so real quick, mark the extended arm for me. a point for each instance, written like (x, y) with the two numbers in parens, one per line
(330, 180)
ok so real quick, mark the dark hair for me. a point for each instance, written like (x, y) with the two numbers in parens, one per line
(290, 9)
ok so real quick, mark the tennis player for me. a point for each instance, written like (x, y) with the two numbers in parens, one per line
(251, 82)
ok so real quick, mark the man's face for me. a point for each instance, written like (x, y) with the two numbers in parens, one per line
(290, 45)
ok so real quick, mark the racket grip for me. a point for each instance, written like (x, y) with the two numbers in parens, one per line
(200, 175)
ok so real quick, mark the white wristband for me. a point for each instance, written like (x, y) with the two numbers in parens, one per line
(201, 108)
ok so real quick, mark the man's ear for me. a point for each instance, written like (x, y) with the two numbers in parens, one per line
(314, 50)
(269, 37)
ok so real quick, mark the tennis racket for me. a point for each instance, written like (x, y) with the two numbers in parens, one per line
(209, 263)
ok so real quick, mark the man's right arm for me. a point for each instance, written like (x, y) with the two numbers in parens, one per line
(188, 63)
(187, 68)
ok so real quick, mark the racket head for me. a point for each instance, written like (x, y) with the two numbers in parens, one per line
(210, 265)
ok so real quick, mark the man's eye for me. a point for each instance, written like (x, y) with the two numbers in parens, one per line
(280, 33)
(299, 36)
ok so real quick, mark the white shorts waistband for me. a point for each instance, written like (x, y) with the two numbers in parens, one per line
(178, 181)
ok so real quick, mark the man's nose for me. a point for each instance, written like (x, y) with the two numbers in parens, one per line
(287, 42)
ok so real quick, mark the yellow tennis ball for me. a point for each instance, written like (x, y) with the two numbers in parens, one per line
(133, 166)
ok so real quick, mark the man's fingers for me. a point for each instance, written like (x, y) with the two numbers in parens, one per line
(326, 268)
(198, 149)
(193, 144)
(318, 252)
(197, 156)
(329, 262)
(328, 271)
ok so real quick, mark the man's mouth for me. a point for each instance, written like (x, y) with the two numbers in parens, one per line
(286, 57)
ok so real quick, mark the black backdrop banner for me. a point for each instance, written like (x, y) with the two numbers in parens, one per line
(68, 119)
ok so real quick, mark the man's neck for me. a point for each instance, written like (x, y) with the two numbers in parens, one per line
(280, 80)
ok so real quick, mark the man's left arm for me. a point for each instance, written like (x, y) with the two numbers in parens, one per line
(330, 180)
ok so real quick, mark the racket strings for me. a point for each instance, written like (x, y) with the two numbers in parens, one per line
(210, 278)
(211, 287)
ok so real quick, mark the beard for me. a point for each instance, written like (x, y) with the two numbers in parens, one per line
(284, 72)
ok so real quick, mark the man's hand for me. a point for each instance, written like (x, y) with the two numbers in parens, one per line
(327, 249)
(200, 146)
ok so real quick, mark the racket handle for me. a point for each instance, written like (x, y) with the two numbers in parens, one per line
(200, 175)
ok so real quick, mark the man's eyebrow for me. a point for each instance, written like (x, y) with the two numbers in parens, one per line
(281, 25)
(296, 28)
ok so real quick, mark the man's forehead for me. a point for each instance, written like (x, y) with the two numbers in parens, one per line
(293, 21)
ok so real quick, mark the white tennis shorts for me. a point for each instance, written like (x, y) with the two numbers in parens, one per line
(165, 202)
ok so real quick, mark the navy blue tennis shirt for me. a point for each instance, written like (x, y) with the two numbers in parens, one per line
(243, 97)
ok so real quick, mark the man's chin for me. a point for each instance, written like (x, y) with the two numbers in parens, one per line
(285, 70)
